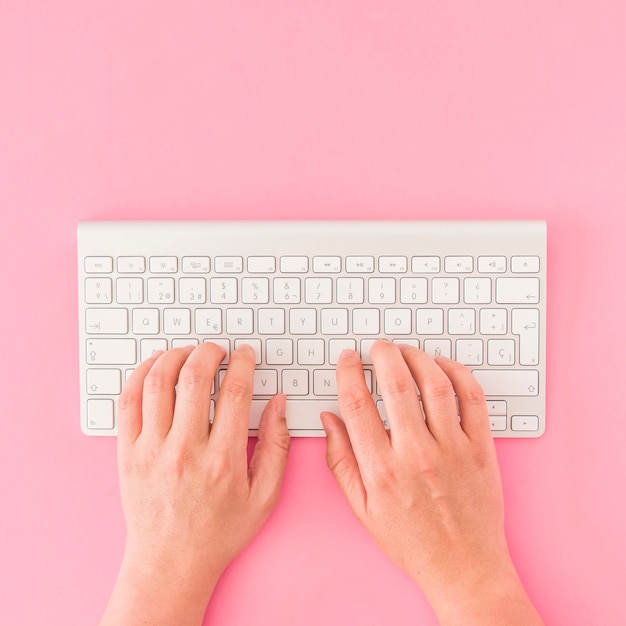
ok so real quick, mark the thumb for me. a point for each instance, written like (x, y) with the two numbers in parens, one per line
(269, 459)
(342, 463)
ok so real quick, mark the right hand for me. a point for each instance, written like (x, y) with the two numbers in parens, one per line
(428, 491)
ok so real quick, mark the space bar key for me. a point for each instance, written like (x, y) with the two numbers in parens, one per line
(301, 414)
(508, 382)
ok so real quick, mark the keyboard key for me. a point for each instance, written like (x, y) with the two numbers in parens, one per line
(129, 290)
(492, 264)
(334, 321)
(239, 321)
(271, 321)
(459, 264)
(295, 383)
(287, 290)
(493, 321)
(327, 264)
(100, 414)
(163, 264)
(228, 265)
(104, 382)
(497, 422)
(365, 321)
(255, 344)
(360, 264)
(392, 264)
(261, 265)
(445, 290)
(524, 264)
(160, 290)
(265, 383)
(177, 321)
(196, 264)
(208, 321)
(517, 290)
(192, 290)
(294, 264)
(106, 321)
(150, 346)
(501, 352)
(438, 347)
(413, 290)
(131, 265)
(311, 351)
(398, 321)
(337, 346)
(98, 264)
(425, 264)
(524, 422)
(324, 382)
(223, 290)
(318, 290)
(508, 382)
(302, 321)
(255, 290)
(469, 351)
(98, 291)
(111, 351)
(350, 290)
(429, 322)
(525, 323)
(461, 321)
(279, 351)
(381, 290)
(477, 290)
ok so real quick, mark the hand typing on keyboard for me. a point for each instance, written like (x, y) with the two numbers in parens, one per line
(428, 491)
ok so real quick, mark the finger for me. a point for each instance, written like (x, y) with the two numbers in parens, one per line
(436, 391)
(342, 463)
(399, 393)
(159, 392)
(129, 414)
(232, 411)
(363, 423)
(472, 404)
(193, 396)
(269, 460)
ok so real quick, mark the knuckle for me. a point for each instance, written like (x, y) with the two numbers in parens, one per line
(192, 374)
(398, 385)
(157, 382)
(438, 387)
(355, 401)
(236, 388)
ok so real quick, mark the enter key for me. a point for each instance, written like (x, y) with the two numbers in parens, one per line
(525, 323)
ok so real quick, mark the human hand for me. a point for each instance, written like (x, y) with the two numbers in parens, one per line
(428, 491)
(190, 500)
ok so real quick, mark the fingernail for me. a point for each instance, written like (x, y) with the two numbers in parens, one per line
(244, 347)
(280, 404)
(347, 353)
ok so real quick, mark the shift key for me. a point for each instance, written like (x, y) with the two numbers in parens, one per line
(508, 382)
(111, 351)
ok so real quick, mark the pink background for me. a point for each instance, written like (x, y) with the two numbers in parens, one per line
(312, 109)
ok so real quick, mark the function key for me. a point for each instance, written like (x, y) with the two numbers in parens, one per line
(98, 264)
(524, 264)
(228, 265)
(131, 265)
(163, 264)
(261, 265)
(459, 264)
(392, 264)
(359, 264)
(491, 264)
(294, 264)
(196, 264)
(327, 264)
(425, 265)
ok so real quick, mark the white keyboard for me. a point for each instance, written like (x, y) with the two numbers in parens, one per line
(301, 292)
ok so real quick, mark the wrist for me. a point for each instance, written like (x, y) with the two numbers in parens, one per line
(483, 596)
(157, 588)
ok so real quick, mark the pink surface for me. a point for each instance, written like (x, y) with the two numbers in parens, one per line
(312, 110)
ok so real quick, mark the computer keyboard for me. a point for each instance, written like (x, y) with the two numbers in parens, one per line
(301, 292)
